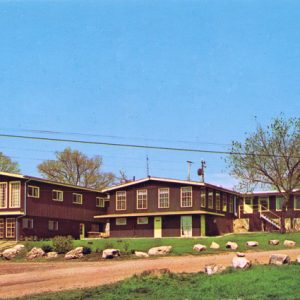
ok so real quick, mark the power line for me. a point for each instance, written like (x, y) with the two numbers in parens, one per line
(139, 146)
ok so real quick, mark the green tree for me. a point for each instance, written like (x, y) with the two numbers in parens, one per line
(7, 165)
(74, 167)
(269, 157)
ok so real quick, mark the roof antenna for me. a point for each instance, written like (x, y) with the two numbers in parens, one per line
(189, 169)
(147, 166)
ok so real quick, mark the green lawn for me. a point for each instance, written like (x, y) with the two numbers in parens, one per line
(183, 246)
(259, 282)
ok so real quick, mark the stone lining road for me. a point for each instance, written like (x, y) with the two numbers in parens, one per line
(19, 279)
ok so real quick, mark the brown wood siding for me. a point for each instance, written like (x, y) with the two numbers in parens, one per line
(218, 225)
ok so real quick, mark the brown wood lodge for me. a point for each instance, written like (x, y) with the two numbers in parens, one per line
(37, 208)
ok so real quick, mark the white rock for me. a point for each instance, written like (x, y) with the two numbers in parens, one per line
(298, 259)
(19, 247)
(232, 245)
(274, 242)
(9, 253)
(240, 254)
(214, 245)
(141, 254)
(75, 253)
(213, 268)
(162, 250)
(252, 243)
(241, 262)
(289, 243)
(35, 253)
(279, 259)
(199, 247)
(52, 254)
(111, 253)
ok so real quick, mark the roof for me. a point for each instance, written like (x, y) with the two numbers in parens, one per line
(26, 177)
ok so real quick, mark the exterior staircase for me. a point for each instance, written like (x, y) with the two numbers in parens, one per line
(271, 221)
(270, 217)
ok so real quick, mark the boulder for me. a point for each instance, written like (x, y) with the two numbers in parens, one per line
(231, 245)
(240, 254)
(9, 253)
(213, 269)
(110, 253)
(289, 243)
(274, 242)
(279, 259)
(241, 262)
(52, 254)
(35, 253)
(141, 254)
(214, 245)
(19, 247)
(162, 250)
(298, 259)
(199, 247)
(75, 253)
(252, 244)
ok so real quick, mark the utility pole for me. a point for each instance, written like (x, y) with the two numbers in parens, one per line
(189, 169)
(147, 166)
(201, 170)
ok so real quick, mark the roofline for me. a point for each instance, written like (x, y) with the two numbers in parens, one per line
(274, 192)
(48, 181)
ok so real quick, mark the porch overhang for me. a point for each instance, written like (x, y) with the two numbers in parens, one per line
(12, 213)
(169, 213)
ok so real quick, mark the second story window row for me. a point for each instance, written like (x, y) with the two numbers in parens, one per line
(186, 197)
(142, 201)
(121, 200)
(3, 195)
(163, 198)
(15, 194)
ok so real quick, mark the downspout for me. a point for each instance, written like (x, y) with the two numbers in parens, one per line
(25, 209)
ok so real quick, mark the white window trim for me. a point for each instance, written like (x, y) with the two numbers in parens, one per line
(55, 228)
(14, 227)
(118, 223)
(224, 200)
(212, 202)
(27, 219)
(259, 201)
(181, 198)
(34, 187)
(137, 199)
(10, 194)
(80, 197)
(276, 203)
(294, 202)
(100, 200)
(158, 204)
(203, 196)
(142, 223)
(6, 194)
(218, 193)
(117, 200)
(58, 191)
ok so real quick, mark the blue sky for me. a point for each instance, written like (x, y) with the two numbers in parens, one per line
(169, 73)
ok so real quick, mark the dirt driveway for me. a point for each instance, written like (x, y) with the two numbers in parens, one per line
(19, 279)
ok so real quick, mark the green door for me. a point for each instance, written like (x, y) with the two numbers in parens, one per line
(186, 226)
(157, 227)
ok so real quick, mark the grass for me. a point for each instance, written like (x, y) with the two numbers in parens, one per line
(183, 246)
(259, 282)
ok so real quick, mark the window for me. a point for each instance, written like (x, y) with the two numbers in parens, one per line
(77, 198)
(203, 198)
(33, 191)
(224, 201)
(57, 195)
(53, 225)
(231, 204)
(27, 223)
(100, 202)
(186, 196)
(1, 228)
(121, 221)
(248, 205)
(163, 198)
(263, 203)
(279, 201)
(210, 199)
(218, 201)
(142, 220)
(3, 194)
(121, 200)
(297, 202)
(10, 228)
(141, 199)
(15, 194)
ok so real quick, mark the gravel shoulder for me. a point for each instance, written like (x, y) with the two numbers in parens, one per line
(20, 279)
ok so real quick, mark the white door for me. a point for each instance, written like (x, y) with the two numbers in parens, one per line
(186, 226)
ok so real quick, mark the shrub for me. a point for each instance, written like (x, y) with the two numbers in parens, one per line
(86, 250)
(47, 248)
(62, 244)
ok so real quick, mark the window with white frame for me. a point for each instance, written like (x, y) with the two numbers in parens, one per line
(53, 225)
(218, 201)
(163, 198)
(203, 198)
(100, 202)
(224, 201)
(231, 204)
(186, 196)
(297, 202)
(279, 201)
(57, 195)
(142, 220)
(27, 223)
(33, 191)
(3, 194)
(121, 200)
(15, 194)
(141, 201)
(263, 203)
(10, 227)
(77, 198)
(211, 199)
(121, 221)
(2, 228)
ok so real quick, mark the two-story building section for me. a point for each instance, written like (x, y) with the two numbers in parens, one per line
(159, 207)
(39, 208)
